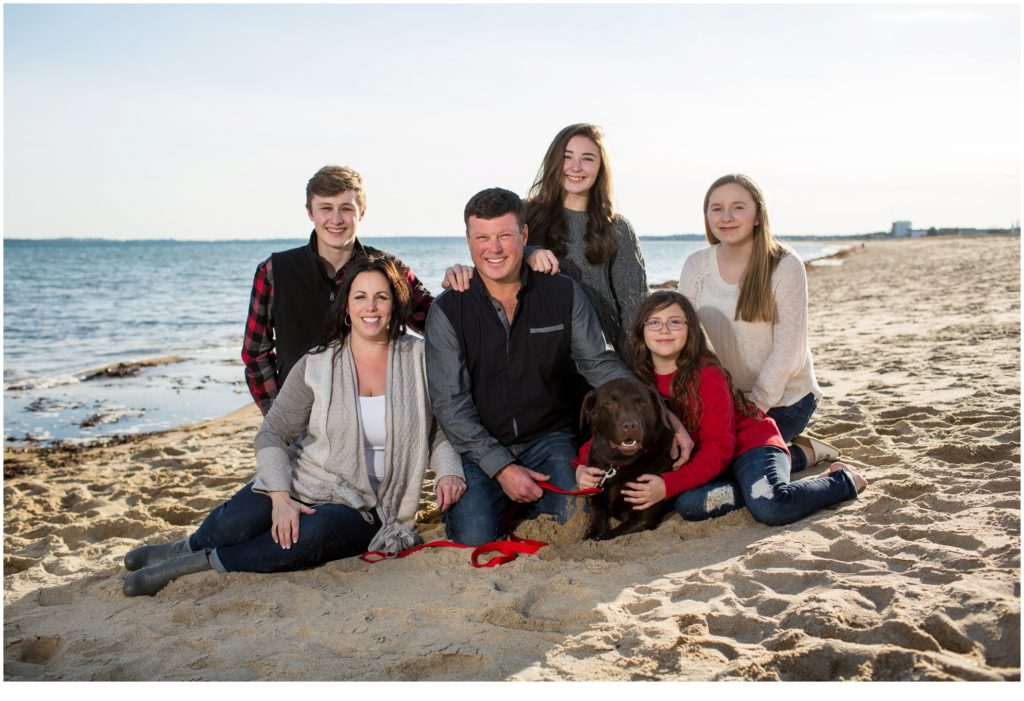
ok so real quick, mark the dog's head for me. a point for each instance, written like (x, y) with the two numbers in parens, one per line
(624, 417)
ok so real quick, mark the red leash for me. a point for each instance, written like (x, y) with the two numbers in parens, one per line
(508, 550)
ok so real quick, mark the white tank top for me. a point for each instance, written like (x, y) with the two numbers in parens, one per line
(374, 437)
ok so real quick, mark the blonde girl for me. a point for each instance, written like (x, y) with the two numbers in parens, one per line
(750, 293)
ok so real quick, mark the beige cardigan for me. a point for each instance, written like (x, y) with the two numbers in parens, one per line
(770, 363)
(320, 402)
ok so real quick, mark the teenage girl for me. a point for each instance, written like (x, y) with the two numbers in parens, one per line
(570, 218)
(750, 293)
(574, 230)
(740, 458)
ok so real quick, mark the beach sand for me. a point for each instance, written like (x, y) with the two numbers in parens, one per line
(917, 347)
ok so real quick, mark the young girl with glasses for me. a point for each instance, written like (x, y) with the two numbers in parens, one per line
(740, 458)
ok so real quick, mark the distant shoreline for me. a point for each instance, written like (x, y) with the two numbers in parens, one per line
(803, 238)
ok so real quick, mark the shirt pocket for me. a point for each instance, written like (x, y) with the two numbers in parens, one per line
(549, 350)
(547, 329)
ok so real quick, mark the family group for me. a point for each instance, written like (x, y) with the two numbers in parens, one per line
(487, 393)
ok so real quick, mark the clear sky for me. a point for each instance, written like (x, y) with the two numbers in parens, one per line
(180, 121)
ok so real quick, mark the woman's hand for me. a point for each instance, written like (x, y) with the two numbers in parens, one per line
(285, 517)
(543, 261)
(647, 491)
(588, 477)
(457, 277)
(449, 489)
(681, 442)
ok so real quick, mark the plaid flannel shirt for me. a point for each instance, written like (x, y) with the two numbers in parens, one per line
(258, 353)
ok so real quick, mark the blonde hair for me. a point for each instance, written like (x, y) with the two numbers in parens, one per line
(756, 301)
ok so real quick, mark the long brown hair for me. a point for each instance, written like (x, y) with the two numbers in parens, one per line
(756, 301)
(546, 214)
(696, 354)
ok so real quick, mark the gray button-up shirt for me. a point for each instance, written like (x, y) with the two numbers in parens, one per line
(451, 385)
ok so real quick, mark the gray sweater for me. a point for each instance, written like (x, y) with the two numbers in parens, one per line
(617, 286)
(320, 402)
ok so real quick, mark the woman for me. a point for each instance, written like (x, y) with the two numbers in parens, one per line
(573, 230)
(570, 219)
(740, 458)
(750, 293)
(358, 404)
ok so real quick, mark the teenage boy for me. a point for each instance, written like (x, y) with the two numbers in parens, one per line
(293, 290)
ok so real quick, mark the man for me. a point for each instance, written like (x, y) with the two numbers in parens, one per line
(498, 356)
(293, 290)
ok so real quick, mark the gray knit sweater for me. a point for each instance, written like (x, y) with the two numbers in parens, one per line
(617, 286)
(320, 402)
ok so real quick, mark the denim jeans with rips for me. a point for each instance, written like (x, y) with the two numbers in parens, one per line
(238, 533)
(482, 514)
(759, 480)
(791, 420)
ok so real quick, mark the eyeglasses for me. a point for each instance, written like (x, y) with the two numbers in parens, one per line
(674, 324)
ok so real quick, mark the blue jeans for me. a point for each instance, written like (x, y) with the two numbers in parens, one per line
(791, 420)
(480, 516)
(761, 483)
(238, 533)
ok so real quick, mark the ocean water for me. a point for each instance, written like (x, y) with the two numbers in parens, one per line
(74, 306)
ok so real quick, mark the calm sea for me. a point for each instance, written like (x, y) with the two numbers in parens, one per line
(71, 306)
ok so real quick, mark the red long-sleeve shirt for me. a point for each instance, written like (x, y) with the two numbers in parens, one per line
(723, 434)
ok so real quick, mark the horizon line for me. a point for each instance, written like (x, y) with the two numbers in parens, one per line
(112, 239)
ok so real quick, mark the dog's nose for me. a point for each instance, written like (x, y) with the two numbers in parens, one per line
(630, 425)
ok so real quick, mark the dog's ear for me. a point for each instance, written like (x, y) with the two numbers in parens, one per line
(659, 406)
(587, 408)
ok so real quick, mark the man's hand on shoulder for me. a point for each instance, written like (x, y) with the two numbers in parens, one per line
(520, 484)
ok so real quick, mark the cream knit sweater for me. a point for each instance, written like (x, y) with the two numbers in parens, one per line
(770, 363)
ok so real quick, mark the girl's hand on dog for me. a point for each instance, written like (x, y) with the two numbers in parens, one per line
(647, 491)
(588, 477)
(682, 444)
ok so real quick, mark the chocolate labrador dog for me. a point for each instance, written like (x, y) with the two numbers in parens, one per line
(632, 435)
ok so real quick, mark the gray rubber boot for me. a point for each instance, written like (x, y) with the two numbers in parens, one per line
(150, 580)
(147, 555)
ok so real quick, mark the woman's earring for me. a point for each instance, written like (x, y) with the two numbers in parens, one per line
(347, 320)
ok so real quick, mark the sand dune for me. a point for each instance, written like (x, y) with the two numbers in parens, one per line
(917, 346)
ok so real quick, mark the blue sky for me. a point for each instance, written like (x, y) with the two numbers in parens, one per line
(189, 121)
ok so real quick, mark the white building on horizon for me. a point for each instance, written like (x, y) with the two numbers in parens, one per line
(900, 228)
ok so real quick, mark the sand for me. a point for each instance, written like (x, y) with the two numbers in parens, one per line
(917, 346)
